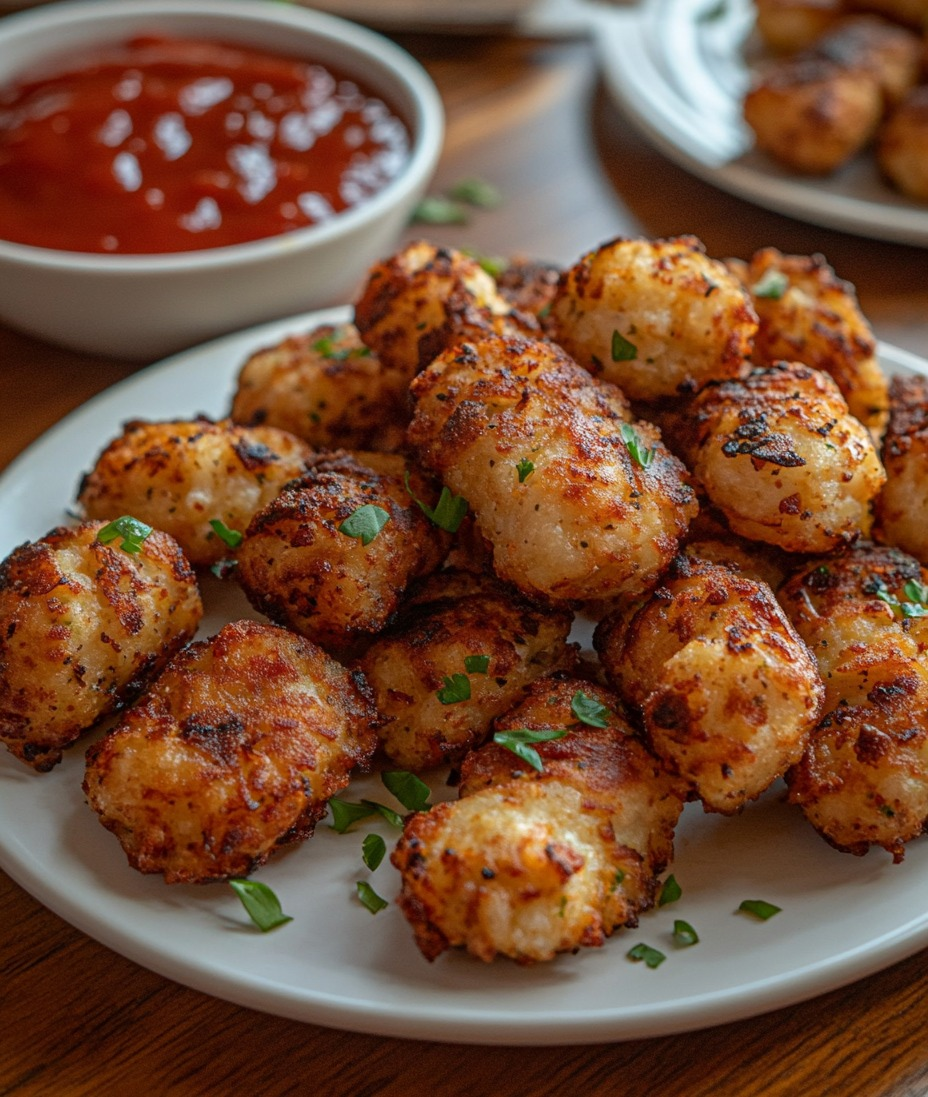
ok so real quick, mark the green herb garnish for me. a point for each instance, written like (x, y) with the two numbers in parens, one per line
(771, 285)
(448, 513)
(435, 209)
(131, 530)
(684, 935)
(262, 904)
(476, 664)
(370, 898)
(230, 537)
(519, 741)
(455, 689)
(651, 956)
(639, 454)
(373, 850)
(476, 192)
(759, 908)
(916, 594)
(589, 711)
(524, 468)
(365, 523)
(412, 793)
(345, 813)
(670, 892)
(622, 349)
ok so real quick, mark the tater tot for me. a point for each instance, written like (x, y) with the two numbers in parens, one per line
(849, 610)
(84, 626)
(657, 318)
(528, 863)
(811, 114)
(326, 387)
(423, 299)
(727, 691)
(576, 502)
(460, 652)
(782, 458)
(863, 779)
(807, 314)
(233, 753)
(332, 555)
(787, 26)
(902, 505)
(902, 146)
(180, 476)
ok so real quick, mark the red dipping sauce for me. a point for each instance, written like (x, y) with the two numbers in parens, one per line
(167, 145)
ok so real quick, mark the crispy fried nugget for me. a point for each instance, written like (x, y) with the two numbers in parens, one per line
(84, 626)
(727, 691)
(461, 651)
(863, 780)
(782, 458)
(309, 562)
(657, 318)
(902, 146)
(528, 863)
(807, 314)
(326, 387)
(576, 501)
(425, 298)
(179, 476)
(233, 753)
(902, 517)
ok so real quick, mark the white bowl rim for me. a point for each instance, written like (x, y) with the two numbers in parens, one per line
(427, 125)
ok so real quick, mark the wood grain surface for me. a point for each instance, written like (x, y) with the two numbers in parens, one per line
(78, 1019)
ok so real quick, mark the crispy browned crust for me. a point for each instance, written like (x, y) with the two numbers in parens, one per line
(452, 615)
(83, 628)
(527, 864)
(234, 752)
(300, 568)
(179, 475)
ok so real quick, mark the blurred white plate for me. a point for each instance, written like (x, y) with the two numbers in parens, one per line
(679, 69)
(842, 917)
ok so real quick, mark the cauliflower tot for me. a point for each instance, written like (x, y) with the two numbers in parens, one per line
(902, 519)
(727, 691)
(527, 863)
(807, 314)
(233, 753)
(782, 458)
(461, 651)
(84, 626)
(576, 501)
(326, 387)
(180, 476)
(331, 556)
(657, 318)
(423, 299)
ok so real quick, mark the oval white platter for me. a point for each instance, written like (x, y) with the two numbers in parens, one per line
(679, 69)
(336, 964)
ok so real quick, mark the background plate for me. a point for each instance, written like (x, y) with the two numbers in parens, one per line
(843, 917)
(679, 69)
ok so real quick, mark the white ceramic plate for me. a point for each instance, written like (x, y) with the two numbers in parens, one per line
(336, 964)
(680, 68)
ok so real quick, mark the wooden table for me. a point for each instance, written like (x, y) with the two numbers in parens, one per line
(75, 1018)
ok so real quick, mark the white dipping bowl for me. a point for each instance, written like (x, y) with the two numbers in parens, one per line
(146, 306)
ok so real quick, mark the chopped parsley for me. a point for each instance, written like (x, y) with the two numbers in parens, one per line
(373, 850)
(412, 793)
(652, 957)
(670, 892)
(759, 908)
(771, 285)
(260, 902)
(683, 934)
(455, 689)
(365, 523)
(524, 468)
(639, 454)
(232, 538)
(448, 513)
(519, 741)
(589, 711)
(131, 530)
(369, 898)
(622, 349)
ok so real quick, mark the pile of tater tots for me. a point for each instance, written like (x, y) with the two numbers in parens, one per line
(700, 459)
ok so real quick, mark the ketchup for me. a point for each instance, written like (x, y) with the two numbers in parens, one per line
(167, 144)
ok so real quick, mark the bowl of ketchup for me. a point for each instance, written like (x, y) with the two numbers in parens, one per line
(172, 170)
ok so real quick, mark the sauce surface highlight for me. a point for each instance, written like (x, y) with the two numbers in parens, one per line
(169, 144)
